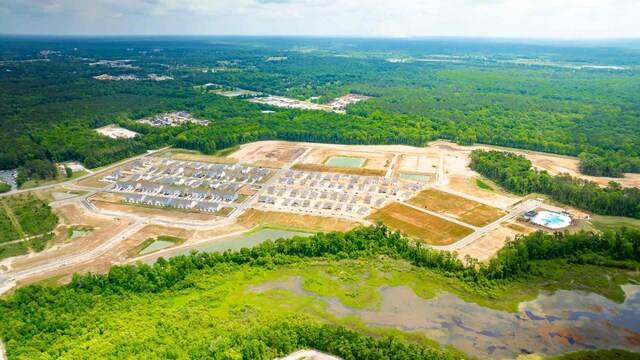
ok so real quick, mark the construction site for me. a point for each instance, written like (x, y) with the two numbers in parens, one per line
(171, 201)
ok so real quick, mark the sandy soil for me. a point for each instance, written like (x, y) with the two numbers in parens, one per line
(268, 153)
(253, 218)
(419, 225)
(417, 164)
(457, 207)
(488, 244)
(74, 214)
(188, 155)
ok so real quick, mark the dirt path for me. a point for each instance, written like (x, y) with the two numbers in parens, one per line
(3, 354)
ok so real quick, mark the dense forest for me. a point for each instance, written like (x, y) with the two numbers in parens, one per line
(51, 321)
(475, 93)
(514, 173)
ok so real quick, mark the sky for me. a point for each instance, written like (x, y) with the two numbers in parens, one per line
(366, 18)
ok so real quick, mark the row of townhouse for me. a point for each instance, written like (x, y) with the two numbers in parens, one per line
(176, 203)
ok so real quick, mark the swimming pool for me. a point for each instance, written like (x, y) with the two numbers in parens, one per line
(552, 220)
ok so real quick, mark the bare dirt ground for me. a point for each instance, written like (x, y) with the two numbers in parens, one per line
(112, 202)
(488, 244)
(338, 169)
(273, 154)
(457, 207)
(428, 228)
(557, 165)
(189, 155)
(417, 164)
(73, 214)
(252, 218)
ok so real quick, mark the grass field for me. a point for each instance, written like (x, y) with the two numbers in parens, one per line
(483, 185)
(339, 169)
(603, 223)
(458, 207)
(60, 178)
(9, 226)
(414, 223)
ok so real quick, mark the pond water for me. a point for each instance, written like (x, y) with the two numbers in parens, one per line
(238, 242)
(415, 177)
(345, 161)
(552, 324)
(156, 245)
(77, 233)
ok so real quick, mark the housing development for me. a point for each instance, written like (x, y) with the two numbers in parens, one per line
(291, 198)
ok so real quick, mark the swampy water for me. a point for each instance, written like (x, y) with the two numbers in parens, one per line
(552, 323)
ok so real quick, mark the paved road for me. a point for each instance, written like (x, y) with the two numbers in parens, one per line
(9, 280)
(526, 206)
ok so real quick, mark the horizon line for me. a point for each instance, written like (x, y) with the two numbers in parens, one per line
(416, 37)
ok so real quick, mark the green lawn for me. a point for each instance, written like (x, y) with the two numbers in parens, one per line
(603, 223)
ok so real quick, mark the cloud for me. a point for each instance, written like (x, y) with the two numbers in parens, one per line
(504, 18)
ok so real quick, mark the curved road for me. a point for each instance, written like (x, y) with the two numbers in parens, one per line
(9, 280)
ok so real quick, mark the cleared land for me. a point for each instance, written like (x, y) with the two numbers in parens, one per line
(458, 207)
(252, 218)
(428, 228)
(417, 164)
(268, 154)
(338, 169)
(190, 155)
(488, 244)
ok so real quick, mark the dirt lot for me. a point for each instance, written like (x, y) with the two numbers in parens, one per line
(74, 214)
(338, 169)
(559, 164)
(273, 154)
(417, 164)
(112, 202)
(252, 218)
(430, 229)
(457, 207)
(189, 155)
(488, 244)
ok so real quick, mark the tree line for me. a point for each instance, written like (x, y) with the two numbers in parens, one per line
(515, 174)
(42, 317)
